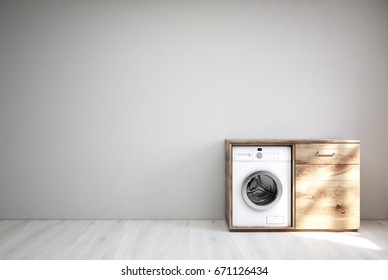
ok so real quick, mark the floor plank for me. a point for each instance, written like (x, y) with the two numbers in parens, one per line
(181, 239)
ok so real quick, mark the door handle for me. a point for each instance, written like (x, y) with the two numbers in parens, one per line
(325, 154)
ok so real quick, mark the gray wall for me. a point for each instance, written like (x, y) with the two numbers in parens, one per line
(119, 109)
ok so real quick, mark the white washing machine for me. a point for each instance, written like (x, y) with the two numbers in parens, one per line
(261, 186)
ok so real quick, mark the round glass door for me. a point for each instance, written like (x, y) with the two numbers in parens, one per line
(261, 190)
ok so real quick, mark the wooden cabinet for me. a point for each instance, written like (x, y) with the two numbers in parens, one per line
(327, 186)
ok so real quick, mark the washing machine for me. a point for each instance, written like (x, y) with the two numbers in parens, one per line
(261, 186)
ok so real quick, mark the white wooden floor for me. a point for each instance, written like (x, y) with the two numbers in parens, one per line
(171, 239)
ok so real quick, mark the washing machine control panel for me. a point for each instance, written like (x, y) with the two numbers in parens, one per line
(270, 155)
(264, 153)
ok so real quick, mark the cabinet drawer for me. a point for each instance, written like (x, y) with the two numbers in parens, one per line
(327, 153)
(327, 197)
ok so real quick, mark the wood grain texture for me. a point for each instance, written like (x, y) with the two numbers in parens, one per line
(228, 183)
(183, 239)
(327, 197)
(327, 153)
(253, 142)
(293, 174)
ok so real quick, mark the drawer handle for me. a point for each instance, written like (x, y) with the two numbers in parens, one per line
(325, 154)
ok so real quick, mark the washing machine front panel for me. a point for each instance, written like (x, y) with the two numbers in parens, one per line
(252, 205)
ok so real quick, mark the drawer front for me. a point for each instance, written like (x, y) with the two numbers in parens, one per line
(327, 153)
(327, 197)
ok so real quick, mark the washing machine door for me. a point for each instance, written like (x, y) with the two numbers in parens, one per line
(261, 190)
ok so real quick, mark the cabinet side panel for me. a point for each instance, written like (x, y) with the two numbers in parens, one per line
(293, 186)
(228, 183)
